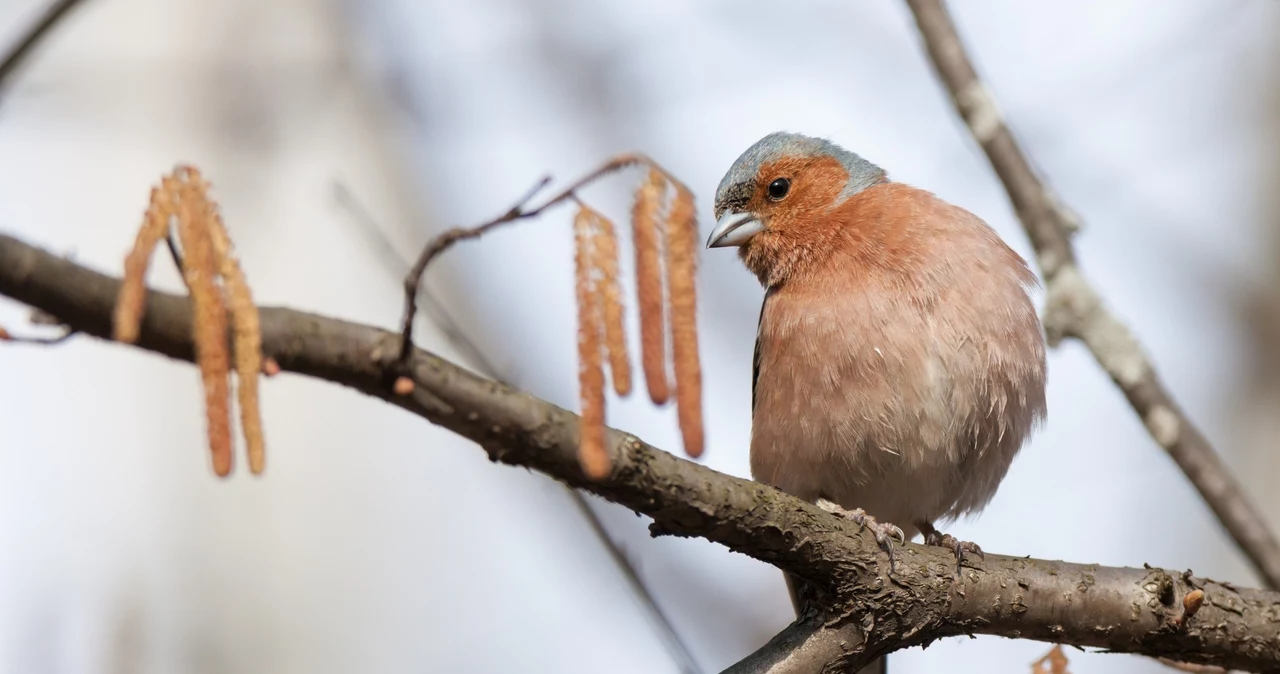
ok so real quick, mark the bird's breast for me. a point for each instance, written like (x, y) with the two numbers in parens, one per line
(906, 408)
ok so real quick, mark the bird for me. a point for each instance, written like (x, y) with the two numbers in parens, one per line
(899, 362)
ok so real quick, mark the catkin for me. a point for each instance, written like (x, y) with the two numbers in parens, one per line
(133, 289)
(649, 284)
(592, 454)
(682, 246)
(209, 332)
(609, 299)
(247, 334)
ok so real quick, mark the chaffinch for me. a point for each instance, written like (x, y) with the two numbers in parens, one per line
(899, 362)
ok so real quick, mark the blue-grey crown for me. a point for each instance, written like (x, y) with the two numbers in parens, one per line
(738, 184)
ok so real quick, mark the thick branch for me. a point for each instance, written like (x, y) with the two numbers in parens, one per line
(1122, 609)
(1074, 308)
(803, 647)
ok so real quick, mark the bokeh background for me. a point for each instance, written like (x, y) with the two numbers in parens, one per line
(341, 135)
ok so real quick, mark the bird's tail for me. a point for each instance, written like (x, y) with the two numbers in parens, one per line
(880, 666)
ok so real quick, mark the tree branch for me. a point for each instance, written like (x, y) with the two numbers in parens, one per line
(26, 44)
(520, 211)
(1074, 309)
(865, 613)
(805, 646)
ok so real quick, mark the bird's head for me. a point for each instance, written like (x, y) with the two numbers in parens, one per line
(772, 202)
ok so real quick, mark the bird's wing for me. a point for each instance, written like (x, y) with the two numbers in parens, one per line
(755, 358)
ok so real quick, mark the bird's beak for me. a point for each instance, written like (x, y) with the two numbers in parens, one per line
(734, 229)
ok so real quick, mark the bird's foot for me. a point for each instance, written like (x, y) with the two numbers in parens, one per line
(958, 547)
(883, 532)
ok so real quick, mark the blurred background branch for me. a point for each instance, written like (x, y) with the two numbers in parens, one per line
(12, 59)
(1074, 308)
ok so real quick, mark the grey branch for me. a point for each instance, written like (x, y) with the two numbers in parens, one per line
(1074, 308)
(864, 612)
(27, 43)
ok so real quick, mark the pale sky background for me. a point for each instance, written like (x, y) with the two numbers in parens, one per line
(378, 543)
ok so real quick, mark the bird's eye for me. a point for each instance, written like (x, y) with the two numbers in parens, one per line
(779, 188)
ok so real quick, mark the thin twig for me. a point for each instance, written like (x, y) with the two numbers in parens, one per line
(460, 340)
(518, 212)
(27, 43)
(1074, 308)
(174, 252)
(674, 643)
(440, 316)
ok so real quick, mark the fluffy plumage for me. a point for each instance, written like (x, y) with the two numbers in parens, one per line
(900, 364)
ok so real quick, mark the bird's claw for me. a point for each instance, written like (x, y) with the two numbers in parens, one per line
(883, 532)
(958, 547)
